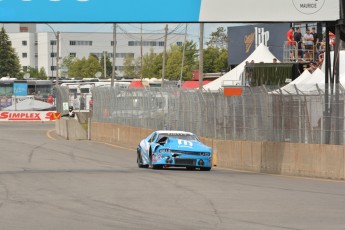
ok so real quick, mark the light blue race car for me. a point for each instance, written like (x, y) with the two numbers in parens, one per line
(164, 148)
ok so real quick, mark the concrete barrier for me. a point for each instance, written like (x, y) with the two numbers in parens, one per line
(70, 129)
(309, 160)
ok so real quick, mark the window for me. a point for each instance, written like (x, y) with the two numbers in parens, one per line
(112, 43)
(161, 43)
(36, 55)
(53, 55)
(24, 55)
(24, 43)
(36, 43)
(179, 43)
(53, 42)
(72, 54)
(80, 43)
(25, 68)
(53, 67)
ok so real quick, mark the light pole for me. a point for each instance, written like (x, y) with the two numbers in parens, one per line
(57, 36)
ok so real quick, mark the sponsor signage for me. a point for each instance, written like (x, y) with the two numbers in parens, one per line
(135, 11)
(20, 89)
(26, 115)
(243, 40)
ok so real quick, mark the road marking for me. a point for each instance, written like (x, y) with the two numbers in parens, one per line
(49, 134)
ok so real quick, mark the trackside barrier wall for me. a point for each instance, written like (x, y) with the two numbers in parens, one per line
(310, 160)
(70, 129)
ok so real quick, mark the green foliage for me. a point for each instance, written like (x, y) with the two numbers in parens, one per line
(9, 61)
(109, 66)
(131, 67)
(65, 66)
(219, 39)
(215, 59)
(37, 74)
(84, 68)
(152, 65)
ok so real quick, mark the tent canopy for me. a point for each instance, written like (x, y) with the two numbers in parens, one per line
(233, 77)
(30, 105)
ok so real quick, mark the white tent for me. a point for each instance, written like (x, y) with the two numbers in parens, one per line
(306, 83)
(233, 77)
(30, 105)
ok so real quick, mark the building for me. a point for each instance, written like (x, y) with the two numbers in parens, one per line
(39, 49)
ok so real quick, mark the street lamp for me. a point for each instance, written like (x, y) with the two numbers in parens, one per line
(57, 36)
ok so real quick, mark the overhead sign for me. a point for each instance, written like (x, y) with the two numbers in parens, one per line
(168, 10)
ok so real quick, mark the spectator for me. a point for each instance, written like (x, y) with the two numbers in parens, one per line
(274, 60)
(312, 67)
(298, 39)
(291, 43)
(82, 102)
(50, 99)
(308, 45)
(316, 42)
(91, 103)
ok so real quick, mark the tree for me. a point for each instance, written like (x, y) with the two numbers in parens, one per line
(152, 65)
(9, 61)
(84, 68)
(219, 39)
(37, 74)
(65, 66)
(109, 66)
(215, 60)
(131, 67)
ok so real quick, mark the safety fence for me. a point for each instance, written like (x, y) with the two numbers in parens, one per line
(260, 114)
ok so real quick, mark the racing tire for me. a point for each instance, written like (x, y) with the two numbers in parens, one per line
(157, 166)
(140, 162)
(205, 168)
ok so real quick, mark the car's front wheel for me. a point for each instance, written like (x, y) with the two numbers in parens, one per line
(140, 162)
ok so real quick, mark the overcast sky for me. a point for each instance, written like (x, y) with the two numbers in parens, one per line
(192, 32)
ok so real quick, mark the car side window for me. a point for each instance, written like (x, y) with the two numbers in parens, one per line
(153, 137)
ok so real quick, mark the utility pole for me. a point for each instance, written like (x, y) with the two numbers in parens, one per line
(114, 55)
(57, 57)
(183, 52)
(105, 63)
(164, 54)
(141, 51)
(201, 55)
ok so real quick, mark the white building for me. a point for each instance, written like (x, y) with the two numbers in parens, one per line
(39, 49)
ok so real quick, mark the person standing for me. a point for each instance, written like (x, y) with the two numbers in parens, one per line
(291, 43)
(316, 43)
(298, 39)
(308, 45)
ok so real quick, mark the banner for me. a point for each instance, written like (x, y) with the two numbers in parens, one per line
(136, 11)
(26, 115)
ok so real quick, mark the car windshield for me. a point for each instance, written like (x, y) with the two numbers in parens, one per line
(183, 136)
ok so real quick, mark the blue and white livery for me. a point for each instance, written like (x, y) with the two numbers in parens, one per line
(173, 149)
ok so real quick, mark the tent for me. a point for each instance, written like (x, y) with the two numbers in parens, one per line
(233, 77)
(193, 84)
(30, 105)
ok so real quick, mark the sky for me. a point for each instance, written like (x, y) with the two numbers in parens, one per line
(192, 31)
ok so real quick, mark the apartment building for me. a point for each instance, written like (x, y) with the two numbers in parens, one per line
(39, 49)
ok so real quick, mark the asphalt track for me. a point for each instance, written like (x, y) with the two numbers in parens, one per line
(49, 183)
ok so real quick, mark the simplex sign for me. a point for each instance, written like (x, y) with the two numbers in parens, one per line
(131, 11)
(26, 115)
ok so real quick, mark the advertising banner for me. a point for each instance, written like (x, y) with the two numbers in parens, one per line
(136, 11)
(26, 115)
(244, 39)
(20, 89)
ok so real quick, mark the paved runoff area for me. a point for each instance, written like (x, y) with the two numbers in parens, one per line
(49, 183)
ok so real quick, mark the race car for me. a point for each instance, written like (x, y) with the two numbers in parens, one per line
(164, 148)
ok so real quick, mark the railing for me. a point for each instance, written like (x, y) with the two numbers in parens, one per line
(299, 52)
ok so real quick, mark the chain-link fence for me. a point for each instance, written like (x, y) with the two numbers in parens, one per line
(260, 114)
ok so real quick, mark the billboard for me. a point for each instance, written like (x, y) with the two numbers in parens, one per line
(20, 89)
(83, 11)
(244, 39)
